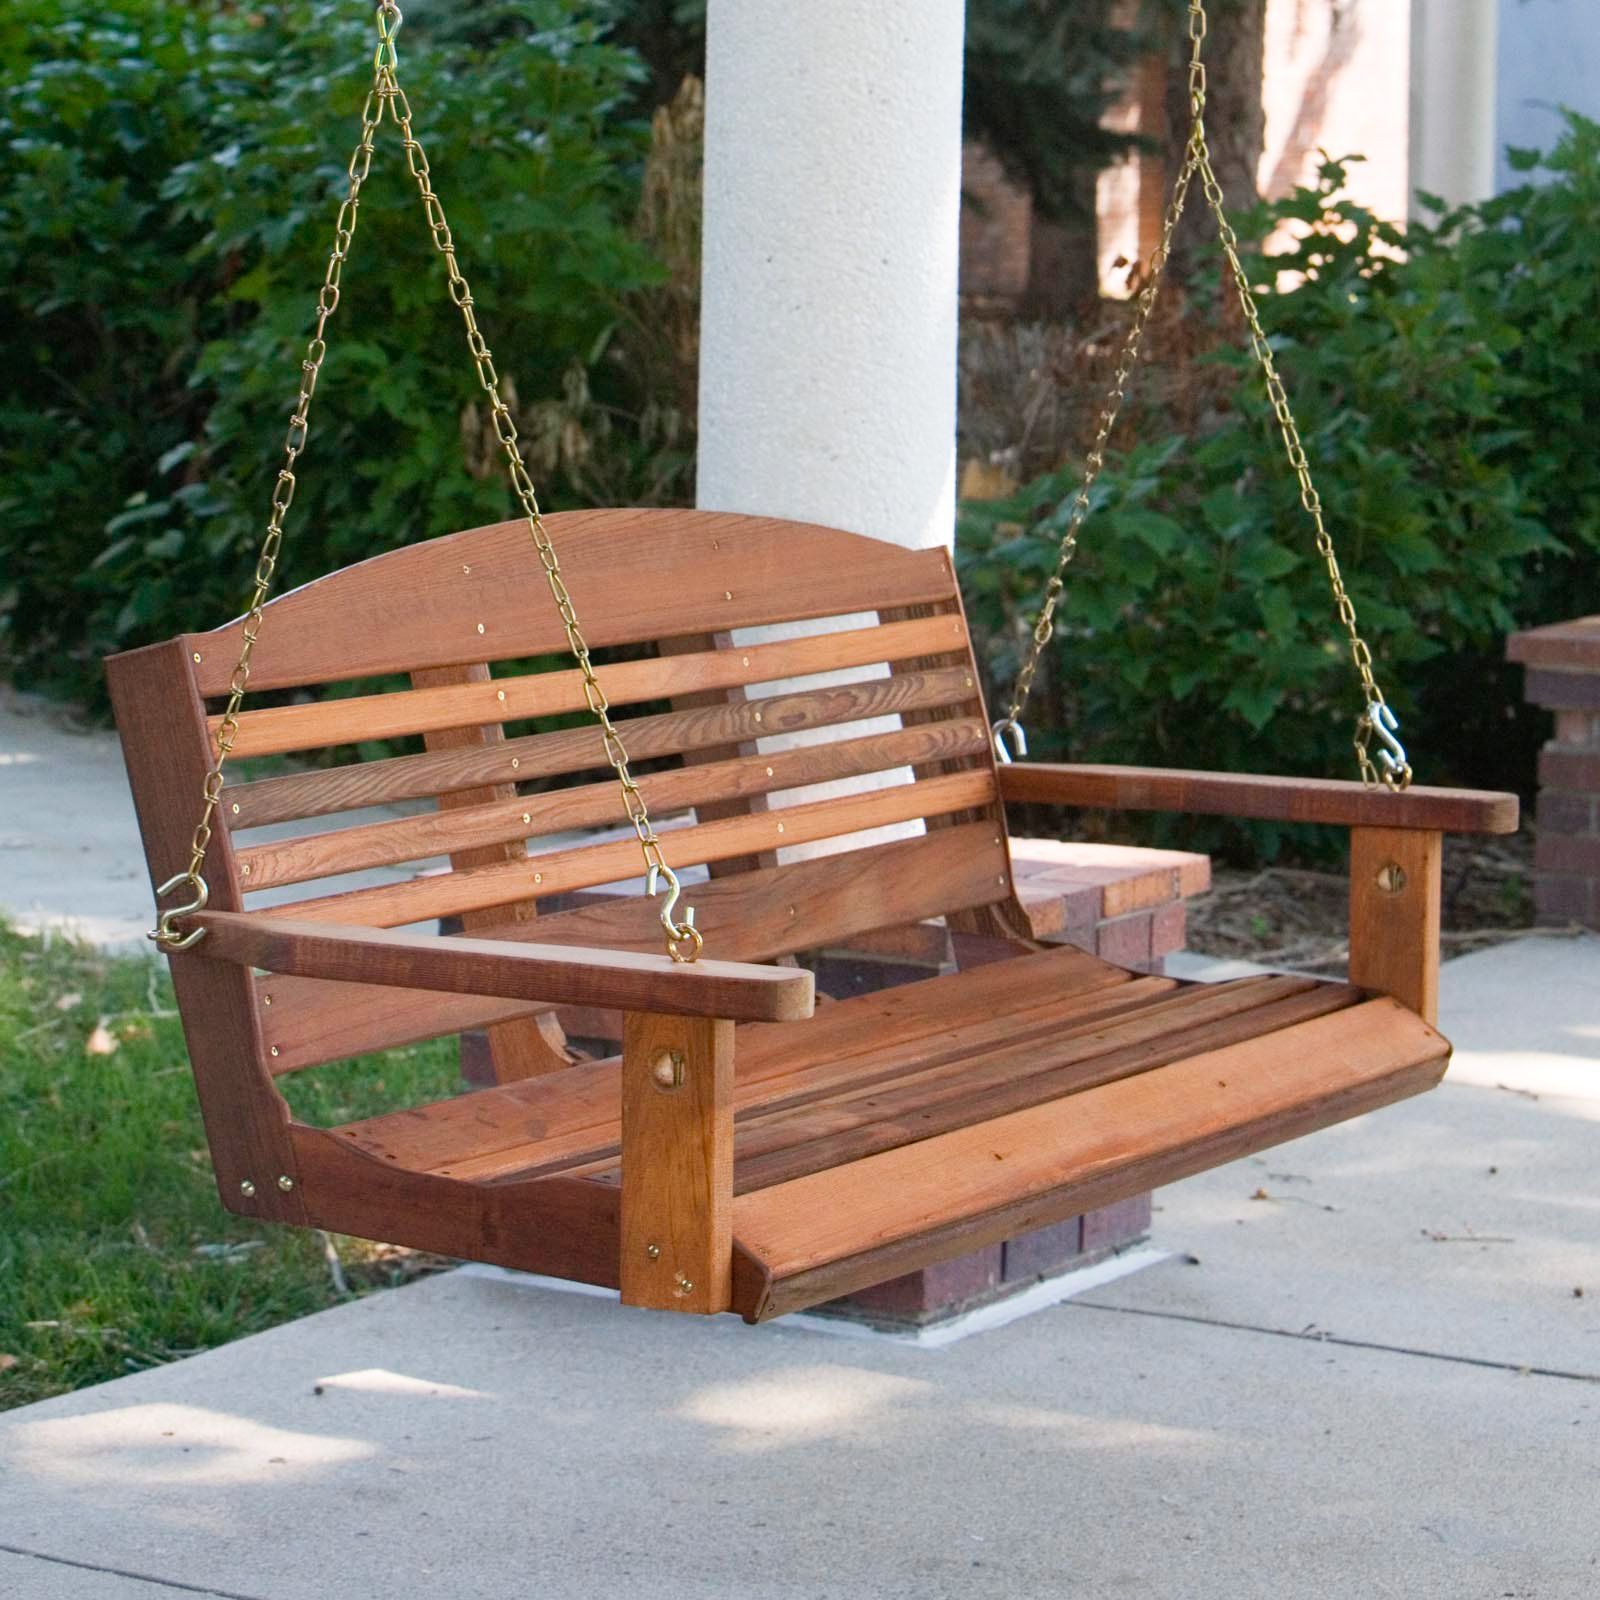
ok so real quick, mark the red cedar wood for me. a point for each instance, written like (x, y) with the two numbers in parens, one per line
(524, 759)
(162, 725)
(834, 1111)
(522, 1046)
(677, 1163)
(1278, 799)
(276, 730)
(1004, 920)
(897, 1028)
(830, 1233)
(633, 574)
(624, 978)
(748, 748)
(422, 898)
(1395, 882)
(746, 918)
(471, 834)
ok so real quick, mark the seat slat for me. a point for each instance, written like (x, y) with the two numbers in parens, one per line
(830, 1232)
(1007, 1079)
(548, 755)
(926, 1019)
(559, 872)
(596, 805)
(832, 1112)
(634, 575)
(276, 730)
(822, 1097)
(748, 918)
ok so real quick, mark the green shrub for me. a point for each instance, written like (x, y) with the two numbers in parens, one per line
(172, 177)
(1440, 395)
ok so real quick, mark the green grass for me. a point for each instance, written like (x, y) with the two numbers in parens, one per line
(115, 1253)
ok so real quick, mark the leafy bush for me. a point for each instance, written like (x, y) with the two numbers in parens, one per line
(173, 174)
(1439, 393)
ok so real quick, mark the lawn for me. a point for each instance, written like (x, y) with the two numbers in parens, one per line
(115, 1253)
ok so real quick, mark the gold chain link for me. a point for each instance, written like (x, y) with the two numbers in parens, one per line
(1376, 721)
(683, 939)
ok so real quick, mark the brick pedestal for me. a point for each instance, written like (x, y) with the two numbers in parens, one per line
(1563, 676)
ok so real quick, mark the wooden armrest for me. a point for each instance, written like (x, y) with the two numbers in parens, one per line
(560, 974)
(1226, 794)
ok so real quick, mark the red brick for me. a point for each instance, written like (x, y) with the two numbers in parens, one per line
(1568, 813)
(944, 1286)
(1045, 1250)
(1559, 900)
(1565, 852)
(1563, 767)
(1168, 926)
(1125, 941)
(1111, 1227)
(1577, 727)
(1564, 691)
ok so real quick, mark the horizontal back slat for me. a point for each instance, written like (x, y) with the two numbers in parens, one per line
(276, 730)
(559, 871)
(746, 918)
(633, 575)
(599, 805)
(304, 795)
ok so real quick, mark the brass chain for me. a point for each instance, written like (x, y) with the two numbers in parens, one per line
(683, 940)
(1376, 720)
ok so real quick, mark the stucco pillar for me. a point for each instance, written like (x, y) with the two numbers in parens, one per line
(828, 320)
(828, 285)
(1453, 74)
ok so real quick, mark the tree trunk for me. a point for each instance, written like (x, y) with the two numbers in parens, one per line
(1234, 54)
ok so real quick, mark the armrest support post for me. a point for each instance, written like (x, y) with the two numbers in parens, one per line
(677, 1163)
(1395, 876)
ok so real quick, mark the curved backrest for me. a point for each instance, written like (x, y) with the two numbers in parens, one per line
(499, 820)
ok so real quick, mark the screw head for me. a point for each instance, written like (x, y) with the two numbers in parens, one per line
(274, 1049)
(653, 1251)
(480, 627)
(285, 1182)
(196, 655)
(247, 1189)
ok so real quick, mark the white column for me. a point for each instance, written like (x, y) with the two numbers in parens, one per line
(828, 285)
(1453, 72)
(828, 315)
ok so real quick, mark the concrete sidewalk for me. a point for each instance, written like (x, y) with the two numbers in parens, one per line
(1377, 1381)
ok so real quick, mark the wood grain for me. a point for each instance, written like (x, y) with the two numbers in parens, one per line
(1277, 799)
(1395, 876)
(276, 730)
(633, 574)
(548, 755)
(420, 899)
(677, 1163)
(464, 832)
(162, 724)
(755, 917)
(523, 1046)
(554, 973)
(893, 1029)
(564, 1227)
(834, 1231)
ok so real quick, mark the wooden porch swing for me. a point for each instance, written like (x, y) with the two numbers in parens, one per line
(845, 1146)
